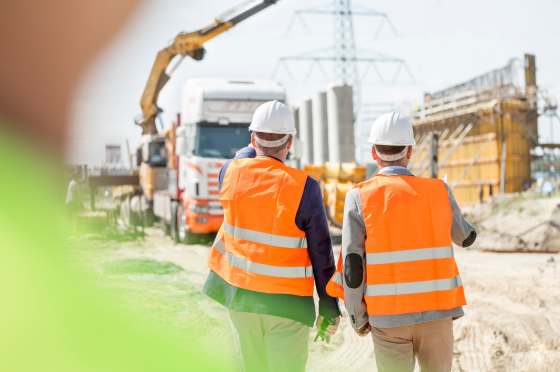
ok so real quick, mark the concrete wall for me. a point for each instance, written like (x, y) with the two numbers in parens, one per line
(340, 113)
(306, 130)
(320, 128)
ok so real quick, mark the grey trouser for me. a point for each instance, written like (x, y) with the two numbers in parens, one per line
(269, 343)
(430, 342)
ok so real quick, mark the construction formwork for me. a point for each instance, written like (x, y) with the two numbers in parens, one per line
(485, 129)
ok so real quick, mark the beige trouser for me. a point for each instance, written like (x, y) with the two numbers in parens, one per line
(269, 343)
(430, 342)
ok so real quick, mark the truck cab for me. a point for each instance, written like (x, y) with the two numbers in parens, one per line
(152, 162)
(215, 117)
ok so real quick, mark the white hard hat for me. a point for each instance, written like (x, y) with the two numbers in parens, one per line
(273, 117)
(391, 129)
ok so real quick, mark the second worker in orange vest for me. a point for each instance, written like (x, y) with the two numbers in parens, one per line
(397, 271)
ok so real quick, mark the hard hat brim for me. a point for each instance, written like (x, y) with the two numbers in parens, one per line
(271, 131)
(372, 142)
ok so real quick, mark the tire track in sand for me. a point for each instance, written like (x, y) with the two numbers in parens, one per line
(352, 353)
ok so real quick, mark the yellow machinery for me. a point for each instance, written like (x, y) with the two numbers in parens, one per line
(486, 129)
(152, 156)
(336, 180)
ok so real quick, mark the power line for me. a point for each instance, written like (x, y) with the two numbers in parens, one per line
(344, 54)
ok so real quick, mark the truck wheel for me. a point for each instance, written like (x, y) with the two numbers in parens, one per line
(173, 225)
(192, 238)
(163, 225)
(182, 232)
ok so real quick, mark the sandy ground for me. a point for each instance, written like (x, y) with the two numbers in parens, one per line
(523, 222)
(512, 322)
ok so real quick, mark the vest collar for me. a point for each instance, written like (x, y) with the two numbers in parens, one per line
(272, 157)
(395, 172)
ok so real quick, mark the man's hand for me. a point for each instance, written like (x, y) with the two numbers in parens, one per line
(364, 331)
(331, 330)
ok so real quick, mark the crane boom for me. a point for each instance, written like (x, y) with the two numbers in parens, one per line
(188, 44)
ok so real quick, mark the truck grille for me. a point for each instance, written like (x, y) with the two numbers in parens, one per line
(162, 179)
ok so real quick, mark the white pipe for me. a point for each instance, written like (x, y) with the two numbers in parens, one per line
(340, 112)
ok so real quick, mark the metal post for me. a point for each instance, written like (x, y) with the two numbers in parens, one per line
(143, 221)
(503, 170)
(551, 134)
(295, 110)
(306, 130)
(92, 197)
(142, 214)
(433, 168)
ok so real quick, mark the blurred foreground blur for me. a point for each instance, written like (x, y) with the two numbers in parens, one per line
(49, 320)
(108, 290)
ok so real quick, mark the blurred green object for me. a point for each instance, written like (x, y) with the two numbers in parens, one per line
(324, 325)
(48, 322)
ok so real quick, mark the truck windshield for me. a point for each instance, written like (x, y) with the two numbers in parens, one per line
(158, 154)
(221, 141)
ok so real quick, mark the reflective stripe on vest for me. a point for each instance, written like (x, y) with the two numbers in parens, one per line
(410, 265)
(410, 255)
(259, 246)
(261, 269)
(414, 287)
(335, 287)
(264, 238)
(337, 278)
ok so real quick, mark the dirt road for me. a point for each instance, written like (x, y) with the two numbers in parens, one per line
(512, 322)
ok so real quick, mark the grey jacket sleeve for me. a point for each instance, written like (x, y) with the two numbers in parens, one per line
(462, 233)
(354, 259)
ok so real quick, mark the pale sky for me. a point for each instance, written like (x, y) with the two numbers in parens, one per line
(443, 43)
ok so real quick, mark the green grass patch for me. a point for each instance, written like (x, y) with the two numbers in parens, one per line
(154, 294)
(140, 266)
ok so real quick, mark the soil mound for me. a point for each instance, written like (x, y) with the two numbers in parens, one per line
(522, 222)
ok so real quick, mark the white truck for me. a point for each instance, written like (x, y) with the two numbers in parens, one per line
(214, 121)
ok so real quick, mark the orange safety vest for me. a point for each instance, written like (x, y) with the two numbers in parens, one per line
(259, 246)
(335, 287)
(409, 254)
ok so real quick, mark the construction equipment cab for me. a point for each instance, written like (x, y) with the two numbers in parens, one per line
(215, 119)
(152, 160)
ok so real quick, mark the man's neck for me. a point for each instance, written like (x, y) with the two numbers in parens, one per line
(275, 156)
(401, 164)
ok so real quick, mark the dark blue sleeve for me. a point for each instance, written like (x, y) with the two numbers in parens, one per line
(311, 218)
(246, 152)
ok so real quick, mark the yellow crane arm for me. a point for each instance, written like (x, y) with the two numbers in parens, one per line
(188, 44)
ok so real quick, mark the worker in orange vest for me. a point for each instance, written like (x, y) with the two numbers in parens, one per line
(396, 270)
(272, 250)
